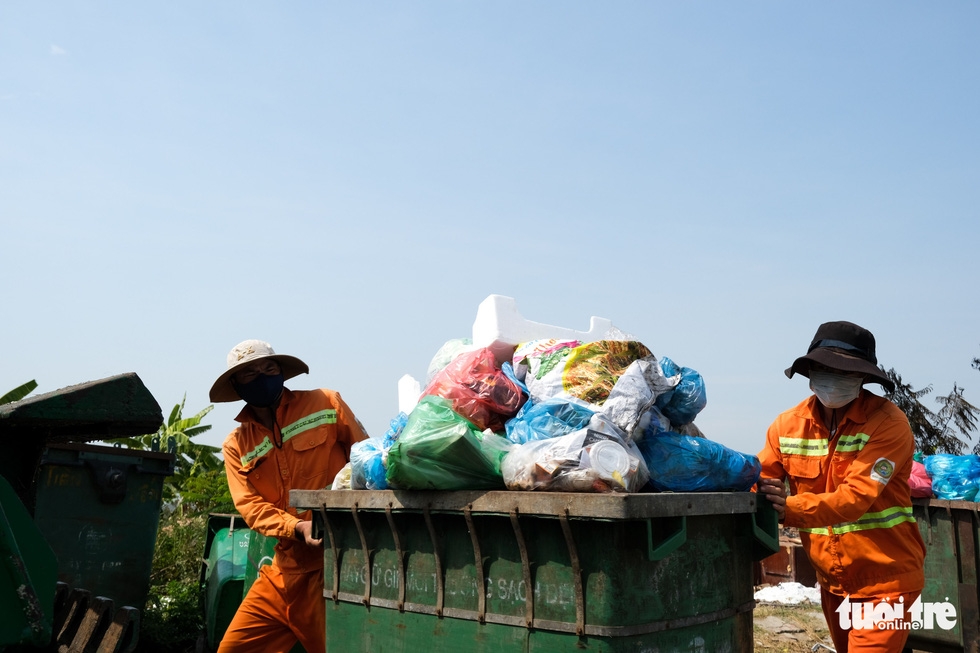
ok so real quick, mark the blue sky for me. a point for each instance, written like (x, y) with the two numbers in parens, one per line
(350, 180)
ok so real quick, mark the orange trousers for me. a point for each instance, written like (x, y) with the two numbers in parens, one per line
(864, 640)
(277, 611)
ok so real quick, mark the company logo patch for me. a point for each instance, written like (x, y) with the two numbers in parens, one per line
(882, 470)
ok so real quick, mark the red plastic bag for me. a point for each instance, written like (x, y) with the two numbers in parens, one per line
(478, 390)
(919, 482)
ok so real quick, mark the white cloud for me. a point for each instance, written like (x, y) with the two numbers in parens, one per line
(55, 50)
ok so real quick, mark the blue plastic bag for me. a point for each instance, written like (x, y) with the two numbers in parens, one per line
(367, 471)
(687, 399)
(395, 428)
(547, 419)
(955, 478)
(682, 463)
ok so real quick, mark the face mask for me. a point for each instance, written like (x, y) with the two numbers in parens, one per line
(835, 390)
(262, 391)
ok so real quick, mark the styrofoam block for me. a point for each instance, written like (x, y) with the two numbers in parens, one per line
(409, 390)
(501, 327)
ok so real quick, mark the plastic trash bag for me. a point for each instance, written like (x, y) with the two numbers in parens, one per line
(446, 354)
(395, 427)
(548, 419)
(634, 393)
(920, 485)
(651, 423)
(441, 450)
(583, 461)
(681, 463)
(687, 399)
(955, 478)
(342, 480)
(587, 371)
(478, 390)
(367, 465)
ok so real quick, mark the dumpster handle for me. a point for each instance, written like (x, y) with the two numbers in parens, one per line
(576, 573)
(481, 588)
(367, 556)
(670, 543)
(401, 558)
(525, 569)
(336, 556)
(440, 582)
(765, 527)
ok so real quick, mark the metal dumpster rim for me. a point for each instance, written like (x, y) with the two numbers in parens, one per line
(576, 505)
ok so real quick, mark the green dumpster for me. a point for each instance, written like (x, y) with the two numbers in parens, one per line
(950, 532)
(98, 508)
(539, 572)
(233, 555)
(223, 572)
(261, 550)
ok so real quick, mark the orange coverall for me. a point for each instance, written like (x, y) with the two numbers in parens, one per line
(849, 498)
(311, 444)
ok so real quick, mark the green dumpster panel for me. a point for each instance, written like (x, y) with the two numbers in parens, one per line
(261, 550)
(28, 575)
(99, 508)
(537, 572)
(226, 589)
(950, 532)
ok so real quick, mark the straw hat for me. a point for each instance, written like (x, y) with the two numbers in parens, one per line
(247, 352)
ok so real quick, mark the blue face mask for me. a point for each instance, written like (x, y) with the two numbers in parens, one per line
(262, 391)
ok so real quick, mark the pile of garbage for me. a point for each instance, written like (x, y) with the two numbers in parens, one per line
(556, 415)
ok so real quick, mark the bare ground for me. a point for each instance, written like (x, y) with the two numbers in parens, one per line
(789, 628)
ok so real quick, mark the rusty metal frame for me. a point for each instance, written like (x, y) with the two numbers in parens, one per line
(335, 590)
(481, 587)
(525, 569)
(440, 581)
(576, 573)
(366, 600)
(401, 558)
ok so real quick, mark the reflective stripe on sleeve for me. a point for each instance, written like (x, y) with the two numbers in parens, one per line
(264, 447)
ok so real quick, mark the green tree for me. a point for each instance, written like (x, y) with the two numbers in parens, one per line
(947, 430)
(172, 618)
(192, 459)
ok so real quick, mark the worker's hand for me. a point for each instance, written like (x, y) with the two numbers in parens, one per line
(304, 533)
(775, 490)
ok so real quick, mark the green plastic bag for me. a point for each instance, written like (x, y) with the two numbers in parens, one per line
(441, 450)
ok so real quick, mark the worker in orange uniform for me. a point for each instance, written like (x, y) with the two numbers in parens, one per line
(847, 454)
(286, 440)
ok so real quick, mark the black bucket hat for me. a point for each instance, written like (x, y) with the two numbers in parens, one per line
(843, 346)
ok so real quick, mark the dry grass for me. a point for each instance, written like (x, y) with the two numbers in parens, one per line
(789, 628)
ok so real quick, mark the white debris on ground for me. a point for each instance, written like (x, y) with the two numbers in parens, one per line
(788, 594)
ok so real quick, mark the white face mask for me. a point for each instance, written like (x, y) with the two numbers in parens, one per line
(835, 390)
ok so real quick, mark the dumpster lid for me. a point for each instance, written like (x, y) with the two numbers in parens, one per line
(117, 406)
(546, 504)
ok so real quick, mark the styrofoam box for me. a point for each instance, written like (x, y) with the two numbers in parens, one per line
(501, 327)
